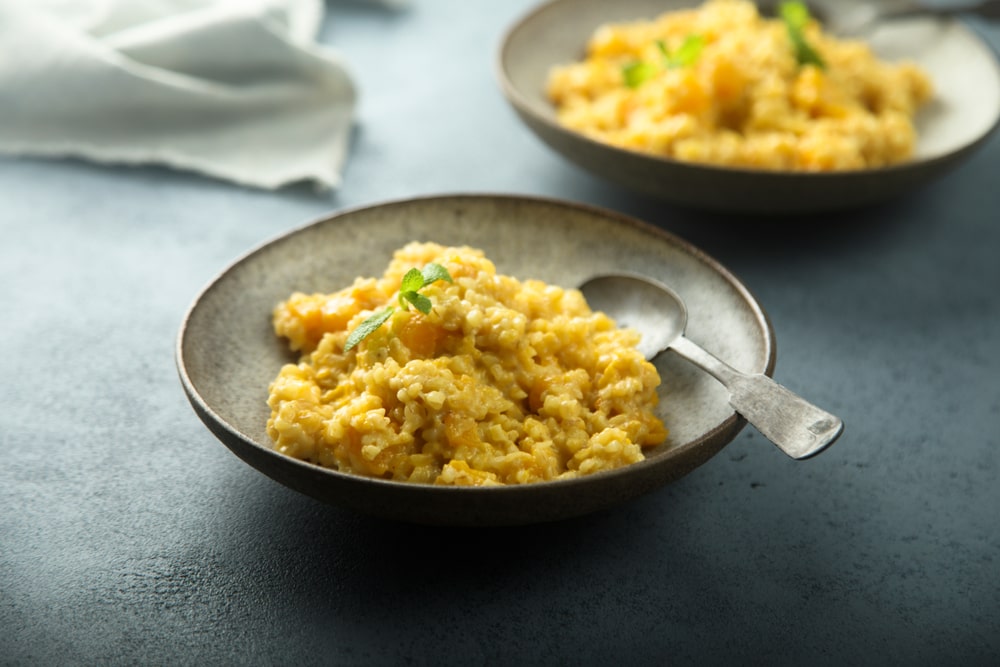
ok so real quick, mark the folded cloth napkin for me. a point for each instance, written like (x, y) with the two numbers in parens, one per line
(236, 89)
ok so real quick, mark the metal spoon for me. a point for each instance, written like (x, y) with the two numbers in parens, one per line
(856, 18)
(797, 427)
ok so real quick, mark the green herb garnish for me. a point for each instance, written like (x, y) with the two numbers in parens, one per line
(795, 15)
(637, 73)
(409, 294)
(686, 54)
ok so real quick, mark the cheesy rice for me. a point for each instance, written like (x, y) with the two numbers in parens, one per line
(503, 382)
(745, 100)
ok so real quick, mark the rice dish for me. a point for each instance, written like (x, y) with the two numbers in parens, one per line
(501, 382)
(722, 85)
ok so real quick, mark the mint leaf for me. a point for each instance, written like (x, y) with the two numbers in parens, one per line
(687, 53)
(637, 73)
(367, 327)
(795, 15)
(434, 272)
(412, 281)
(419, 301)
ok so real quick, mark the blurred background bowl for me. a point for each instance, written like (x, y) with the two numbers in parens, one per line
(963, 113)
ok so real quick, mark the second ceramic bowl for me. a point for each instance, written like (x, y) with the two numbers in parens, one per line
(965, 110)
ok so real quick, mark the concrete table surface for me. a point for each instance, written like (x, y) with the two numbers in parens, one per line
(130, 535)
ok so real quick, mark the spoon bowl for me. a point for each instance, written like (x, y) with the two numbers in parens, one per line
(639, 303)
(797, 427)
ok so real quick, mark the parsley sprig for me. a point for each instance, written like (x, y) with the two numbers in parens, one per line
(685, 55)
(795, 16)
(409, 294)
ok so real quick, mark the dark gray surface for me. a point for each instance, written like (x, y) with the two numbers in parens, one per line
(128, 534)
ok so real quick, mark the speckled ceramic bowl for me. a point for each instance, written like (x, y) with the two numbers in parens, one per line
(965, 110)
(227, 352)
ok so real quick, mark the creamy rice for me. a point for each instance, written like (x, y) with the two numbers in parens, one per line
(745, 100)
(503, 382)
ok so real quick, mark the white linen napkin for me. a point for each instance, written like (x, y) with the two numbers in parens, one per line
(236, 89)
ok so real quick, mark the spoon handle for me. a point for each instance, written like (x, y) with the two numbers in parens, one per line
(857, 19)
(988, 9)
(796, 426)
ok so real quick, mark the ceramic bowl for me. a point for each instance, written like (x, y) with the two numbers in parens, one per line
(964, 111)
(227, 352)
